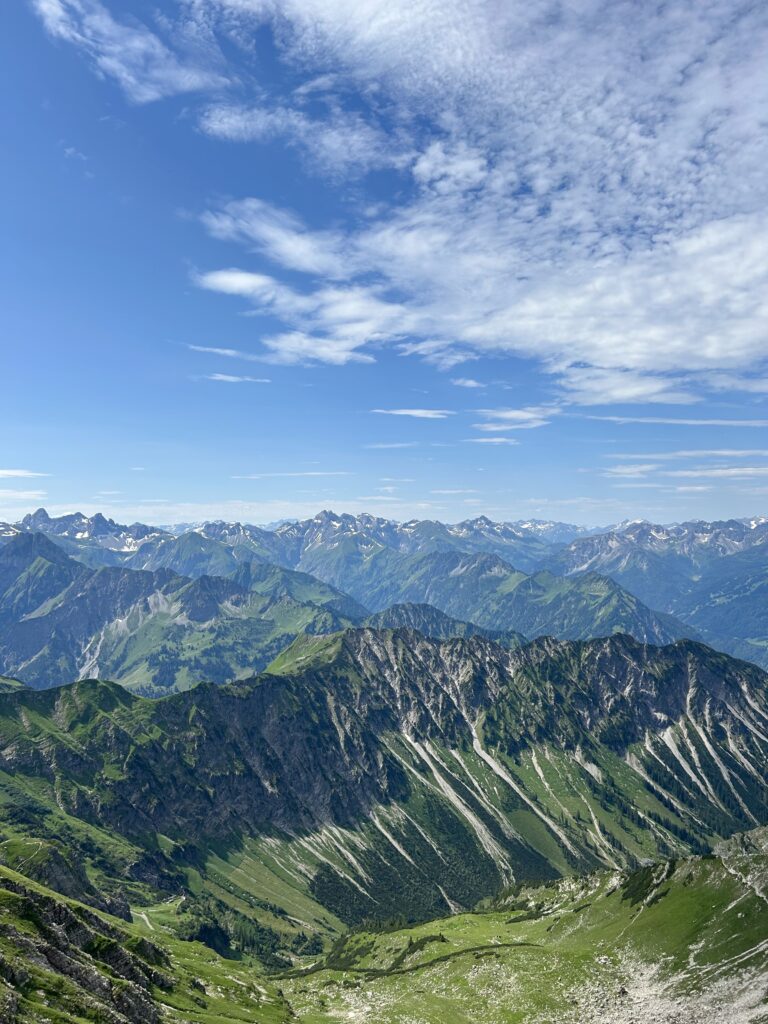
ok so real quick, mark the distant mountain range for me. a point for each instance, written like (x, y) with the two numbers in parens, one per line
(698, 579)
(713, 576)
(152, 630)
(176, 611)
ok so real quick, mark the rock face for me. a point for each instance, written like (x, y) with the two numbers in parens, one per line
(418, 772)
(52, 865)
(103, 973)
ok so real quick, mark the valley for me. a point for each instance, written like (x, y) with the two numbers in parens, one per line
(290, 803)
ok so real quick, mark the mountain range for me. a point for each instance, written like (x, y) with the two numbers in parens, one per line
(158, 856)
(698, 580)
(370, 764)
(155, 629)
(446, 769)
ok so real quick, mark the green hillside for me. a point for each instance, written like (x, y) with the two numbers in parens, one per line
(681, 941)
(376, 772)
(153, 631)
(678, 941)
(487, 591)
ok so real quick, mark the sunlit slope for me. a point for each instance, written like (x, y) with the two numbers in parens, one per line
(376, 772)
(681, 941)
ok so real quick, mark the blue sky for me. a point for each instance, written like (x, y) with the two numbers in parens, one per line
(422, 259)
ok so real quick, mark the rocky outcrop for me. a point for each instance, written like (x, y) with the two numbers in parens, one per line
(110, 974)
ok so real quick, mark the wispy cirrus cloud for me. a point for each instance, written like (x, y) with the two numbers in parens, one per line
(491, 440)
(528, 418)
(694, 453)
(418, 414)
(677, 421)
(144, 66)
(593, 201)
(6, 474)
(340, 142)
(299, 473)
(617, 236)
(720, 472)
(12, 494)
(226, 353)
(228, 378)
(631, 469)
(723, 472)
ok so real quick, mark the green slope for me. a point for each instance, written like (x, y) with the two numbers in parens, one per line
(377, 776)
(431, 622)
(375, 771)
(485, 590)
(685, 941)
(678, 941)
(153, 631)
(63, 963)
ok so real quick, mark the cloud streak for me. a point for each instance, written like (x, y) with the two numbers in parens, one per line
(418, 414)
(6, 474)
(302, 473)
(227, 378)
(676, 421)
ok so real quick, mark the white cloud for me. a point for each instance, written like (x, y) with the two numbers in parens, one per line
(632, 469)
(455, 490)
(333, 323)
(298, 347)
(676, 421)
(592, 200)
(593, 385)
(638, 486)
(280, 235)
(227, 378)
(6, 474)
(227, 353)
(695, 453)
(145, 68)
(491, 440)
(467, 382)
(419, 414)
(515, 419)
(265, 476)
(721, 472)
(14, 495)
(583, 184)
(338, 142)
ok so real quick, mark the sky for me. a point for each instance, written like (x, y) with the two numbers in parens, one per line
(423, 258)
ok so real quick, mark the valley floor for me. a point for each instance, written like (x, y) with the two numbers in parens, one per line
(678, 942)
(682, 944)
